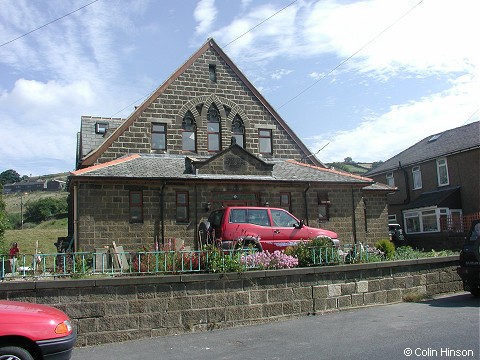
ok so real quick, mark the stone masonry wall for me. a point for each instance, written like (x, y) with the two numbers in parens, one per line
(127, 308)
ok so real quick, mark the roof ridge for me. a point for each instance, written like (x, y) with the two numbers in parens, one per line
(338, 172)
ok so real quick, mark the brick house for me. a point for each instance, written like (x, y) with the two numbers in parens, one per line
(206, 138)
(438, 187)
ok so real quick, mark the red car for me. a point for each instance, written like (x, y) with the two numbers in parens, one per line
(34, 332)
(265, 228)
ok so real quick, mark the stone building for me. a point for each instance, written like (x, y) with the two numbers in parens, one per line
(206, 138)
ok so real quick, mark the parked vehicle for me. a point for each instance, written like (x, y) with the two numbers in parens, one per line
(264, 228)
(396, 232)
(34, 332)
(469, 269)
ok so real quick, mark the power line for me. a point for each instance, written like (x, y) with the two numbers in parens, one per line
(351, 56)
(260, 23)
(51, 22)
(471, 116)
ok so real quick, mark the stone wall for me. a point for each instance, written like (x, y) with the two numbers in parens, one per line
(127, 308)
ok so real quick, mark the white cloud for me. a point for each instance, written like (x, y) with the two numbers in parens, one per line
(383, 136)
(278, 74)
(205, 14)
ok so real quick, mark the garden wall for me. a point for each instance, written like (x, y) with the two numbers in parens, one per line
(125, 308)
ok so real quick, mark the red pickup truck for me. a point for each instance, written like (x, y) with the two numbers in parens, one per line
(265, 228)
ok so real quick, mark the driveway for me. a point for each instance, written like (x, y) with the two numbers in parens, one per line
(442, 328)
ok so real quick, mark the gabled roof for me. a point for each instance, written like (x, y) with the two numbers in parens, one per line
(91, 158)
(449, 142)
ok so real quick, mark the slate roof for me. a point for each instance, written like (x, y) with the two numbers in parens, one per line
(460, 139)
(438, 198)
(147, 166)
(89, 140)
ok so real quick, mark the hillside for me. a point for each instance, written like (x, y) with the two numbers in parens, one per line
(13, 201)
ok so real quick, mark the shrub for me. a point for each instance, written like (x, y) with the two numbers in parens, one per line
(314, 252)
(387, 247)
(267, 260)
(44, 209)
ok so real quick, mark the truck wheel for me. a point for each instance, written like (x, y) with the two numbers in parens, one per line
(475, 290)
(14, 353)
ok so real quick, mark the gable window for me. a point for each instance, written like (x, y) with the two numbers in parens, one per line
(213, 128)
(159, 137)
(265, 141)
(136, 206)
(442, 172)
(189, 127)
(238, 131)
(212, 72)
(390, 179)
(286, 201)
(417, 177)
(182, 206)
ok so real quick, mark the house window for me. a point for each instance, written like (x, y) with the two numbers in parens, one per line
(189, 127)
(213, 128)
(265, 141)
(212, 72)
(426, 220)
(442, 172)
(136, 206)
(390, 179)
(159, 137)
(182, 206)
(285, 201)
(417, 177)
(238, 131)
(323, 205)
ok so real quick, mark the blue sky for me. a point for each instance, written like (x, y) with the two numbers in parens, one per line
(410, 75)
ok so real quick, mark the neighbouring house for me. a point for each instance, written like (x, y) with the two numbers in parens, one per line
(29, 186)
(438, 181)
(206, 138)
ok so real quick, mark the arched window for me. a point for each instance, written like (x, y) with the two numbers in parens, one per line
(213, 128)
(189, 127)
(238, 131)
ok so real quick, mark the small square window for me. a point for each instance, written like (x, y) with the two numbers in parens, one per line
(101, 128)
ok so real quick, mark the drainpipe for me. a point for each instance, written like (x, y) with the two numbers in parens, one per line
(407, 185)
(195, 232)
(75, 217)
(354, 221)
(306, 203)
(162, 215)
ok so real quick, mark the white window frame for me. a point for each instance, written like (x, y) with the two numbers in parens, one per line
(390, 179)
(422, 216)
(417, 177)
(392, 219)
(442, 166)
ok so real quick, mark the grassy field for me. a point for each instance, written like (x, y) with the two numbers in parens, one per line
(39, 238)
(13, 201)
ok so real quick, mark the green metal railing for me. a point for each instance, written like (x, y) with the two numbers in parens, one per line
(156, 262)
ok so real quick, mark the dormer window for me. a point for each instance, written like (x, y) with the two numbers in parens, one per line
(101, 128)
(213, 128)
(238, 131)
(189, 127)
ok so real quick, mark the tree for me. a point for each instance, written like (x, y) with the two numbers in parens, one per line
(3, 221)
(348, 160)
(44, 209)
(9, 177)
